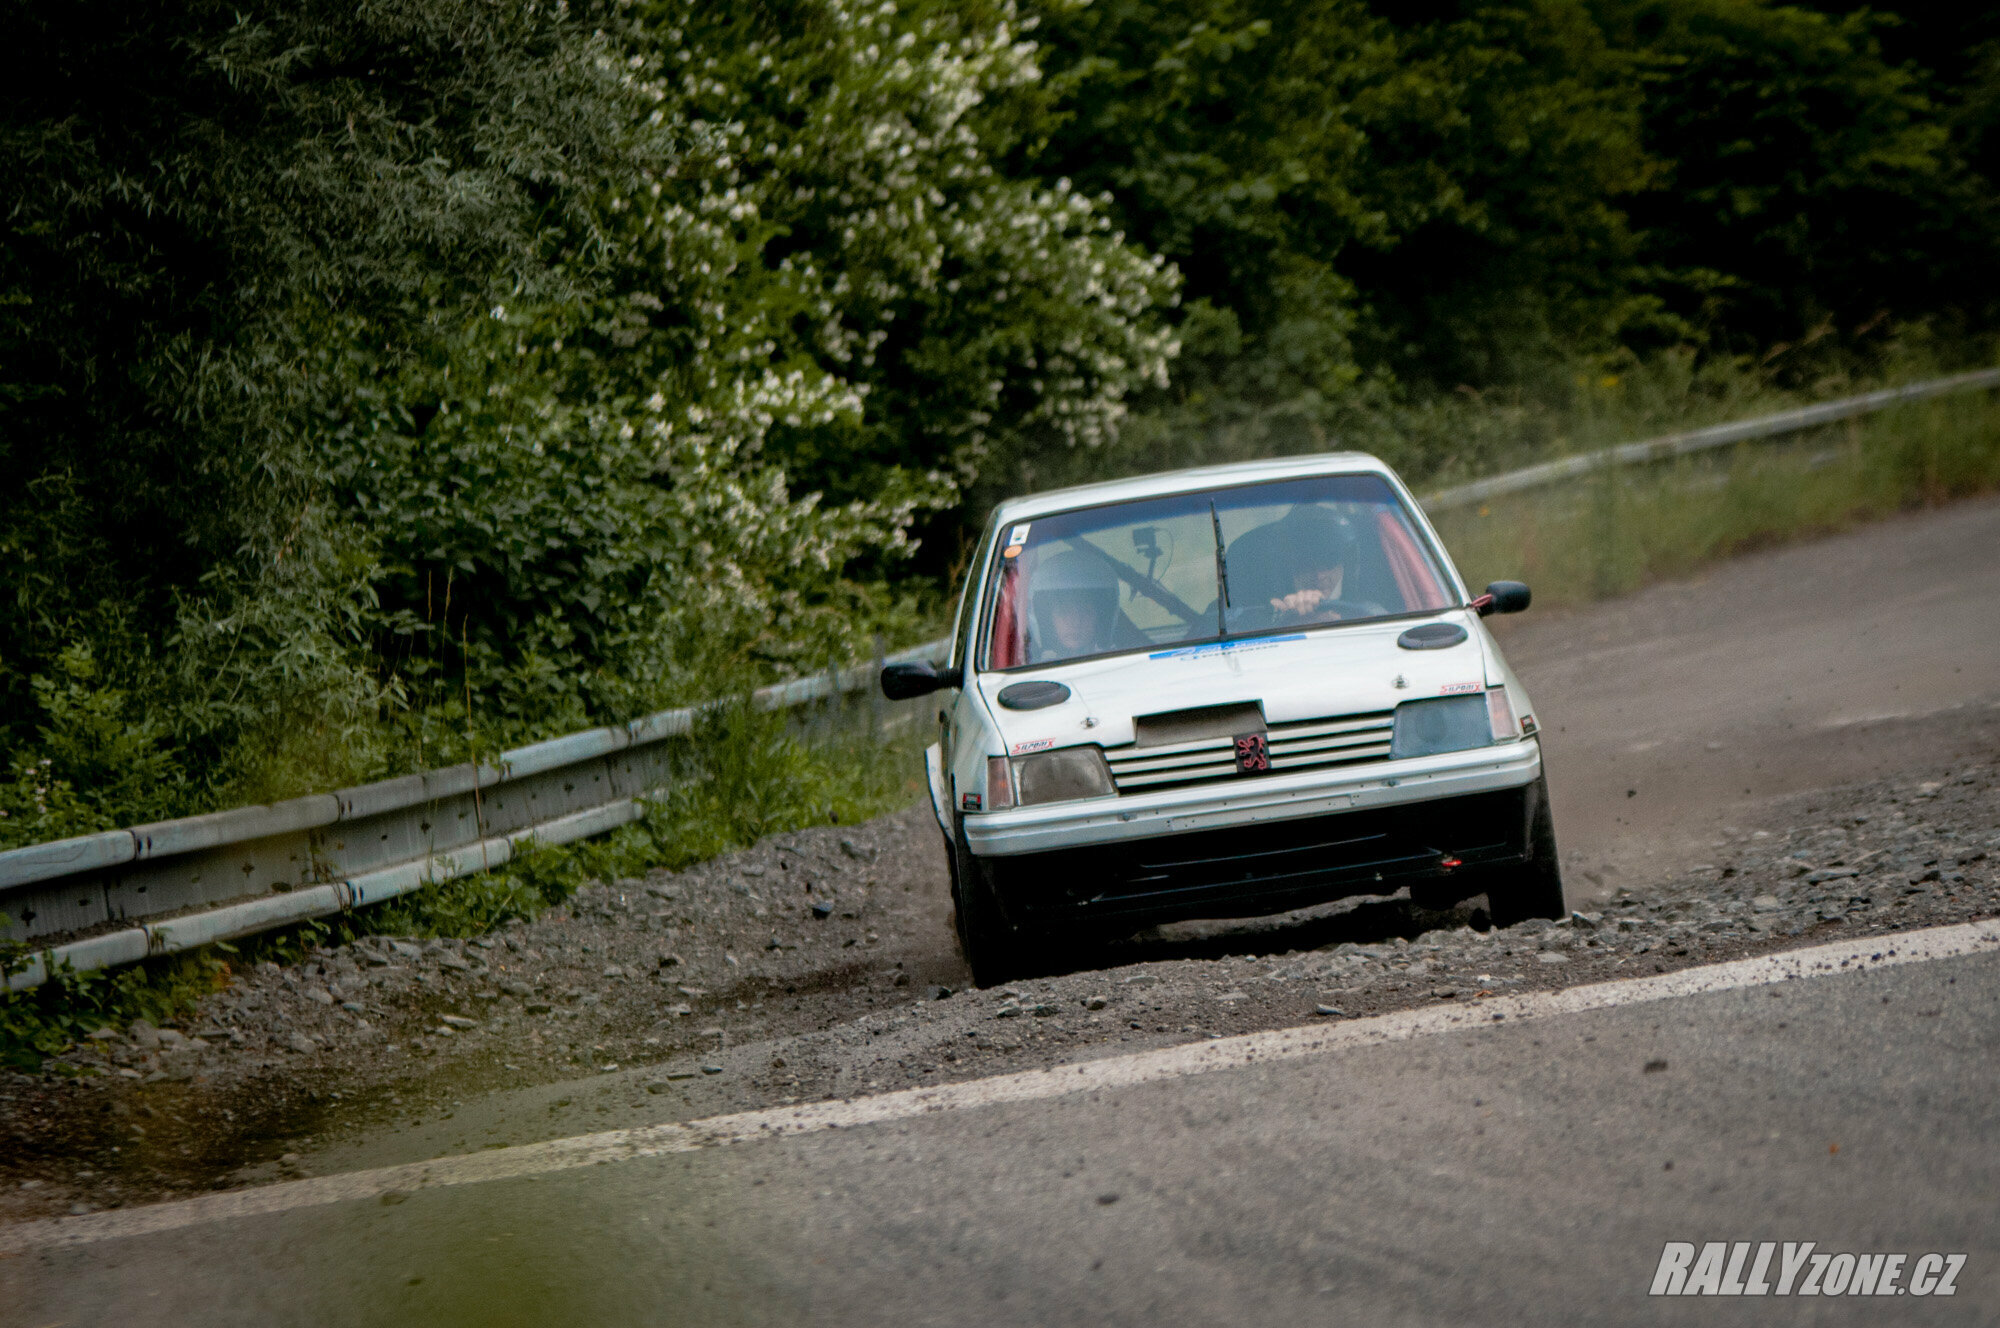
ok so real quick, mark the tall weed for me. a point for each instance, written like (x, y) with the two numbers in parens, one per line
(1616, 530)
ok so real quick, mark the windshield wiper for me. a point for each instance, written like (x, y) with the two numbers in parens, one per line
(1221, 574)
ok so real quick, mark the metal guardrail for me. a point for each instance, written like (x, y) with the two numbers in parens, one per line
(191, 882)
(1701, 440)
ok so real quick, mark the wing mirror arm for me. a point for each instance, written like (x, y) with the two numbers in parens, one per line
(1502, 597)
(906, 682)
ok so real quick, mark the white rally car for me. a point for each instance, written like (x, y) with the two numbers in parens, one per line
(1220, 693)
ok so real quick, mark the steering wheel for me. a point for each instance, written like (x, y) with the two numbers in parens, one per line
(1351, 608)
(1328, 608)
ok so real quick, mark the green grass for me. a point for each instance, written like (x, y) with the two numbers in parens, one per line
(1615, 531)
(744, 775)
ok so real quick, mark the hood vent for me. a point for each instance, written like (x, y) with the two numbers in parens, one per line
(1171, 727)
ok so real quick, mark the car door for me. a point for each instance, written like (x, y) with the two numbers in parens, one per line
(962, 714)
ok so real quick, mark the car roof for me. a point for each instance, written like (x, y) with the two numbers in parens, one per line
(1190, 481)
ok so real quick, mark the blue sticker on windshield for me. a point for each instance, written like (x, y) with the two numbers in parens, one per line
(1256, 643)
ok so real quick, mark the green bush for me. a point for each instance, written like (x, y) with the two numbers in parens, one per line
(39, 1024)
(97, 764)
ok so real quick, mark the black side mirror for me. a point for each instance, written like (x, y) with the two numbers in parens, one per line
(906, 682)
(1503, 597)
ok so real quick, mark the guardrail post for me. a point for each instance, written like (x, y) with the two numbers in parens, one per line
(874, 690)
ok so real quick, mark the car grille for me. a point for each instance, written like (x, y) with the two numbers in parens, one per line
(1307, 744)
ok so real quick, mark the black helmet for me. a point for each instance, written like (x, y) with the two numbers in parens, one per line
(1317, 537)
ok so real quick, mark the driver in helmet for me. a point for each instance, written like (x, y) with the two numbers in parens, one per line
(1322, 548)
(1076, 607)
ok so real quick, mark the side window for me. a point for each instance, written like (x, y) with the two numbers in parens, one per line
(961, 631)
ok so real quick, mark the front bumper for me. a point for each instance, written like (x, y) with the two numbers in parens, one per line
(1446, 849)
(1248, 801)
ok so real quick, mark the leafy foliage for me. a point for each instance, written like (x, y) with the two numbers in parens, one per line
(1803, 177)
(226, 227)
(1344, 191)
(1375, 204)
(398, 381)
(101, 764)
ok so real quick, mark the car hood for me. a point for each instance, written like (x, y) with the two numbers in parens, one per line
(1305, 675)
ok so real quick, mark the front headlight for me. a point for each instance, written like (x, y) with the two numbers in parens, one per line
(1061, 776)
(1442, 724)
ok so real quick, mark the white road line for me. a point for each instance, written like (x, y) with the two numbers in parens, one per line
(1282, 1044)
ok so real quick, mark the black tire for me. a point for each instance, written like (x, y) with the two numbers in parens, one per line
(995, 950)
(1535, 888)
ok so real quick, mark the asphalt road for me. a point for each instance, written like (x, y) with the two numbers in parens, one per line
(1516, 1173)
(1510, 1173)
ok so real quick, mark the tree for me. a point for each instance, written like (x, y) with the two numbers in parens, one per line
(1804, 177)
(1351, 192)
(399, 380)
(224, 222)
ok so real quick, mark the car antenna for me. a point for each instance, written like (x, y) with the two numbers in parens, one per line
(1221, 574)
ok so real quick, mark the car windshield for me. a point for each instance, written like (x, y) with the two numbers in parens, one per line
(1141, 575)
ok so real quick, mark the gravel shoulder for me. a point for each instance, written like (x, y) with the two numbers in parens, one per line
(821, 964)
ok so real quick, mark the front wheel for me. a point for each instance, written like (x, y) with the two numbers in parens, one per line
(1535, 888)
(994, 950)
